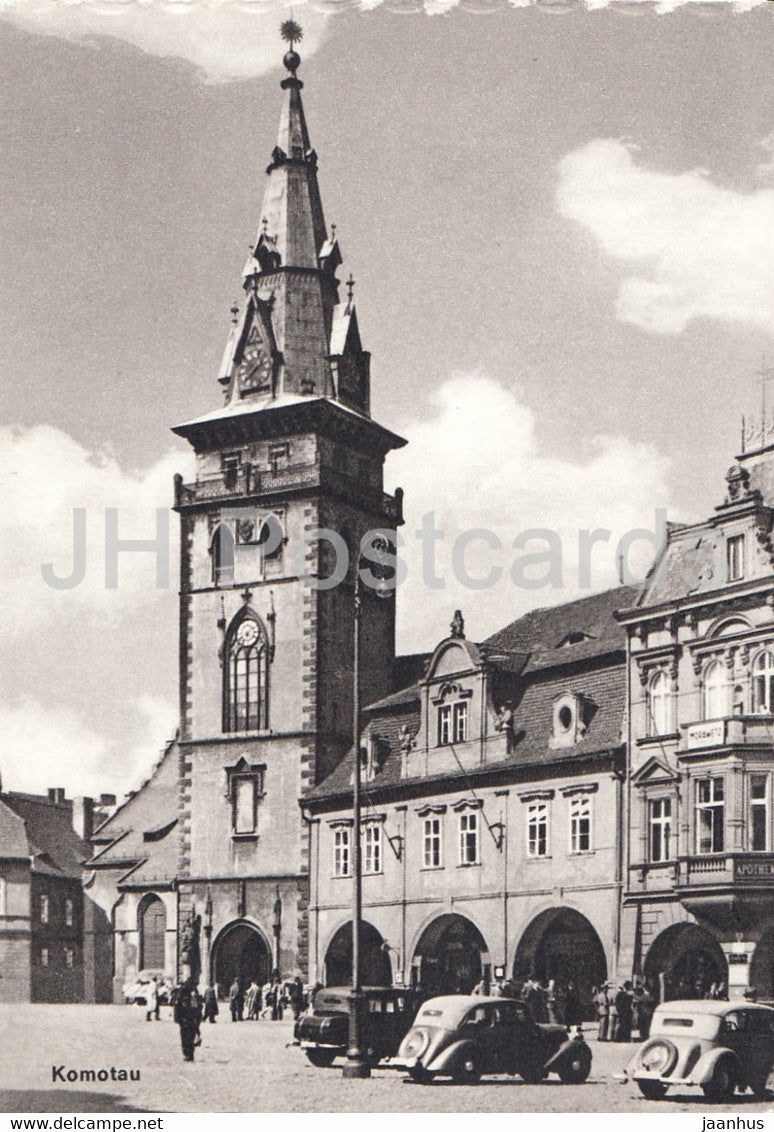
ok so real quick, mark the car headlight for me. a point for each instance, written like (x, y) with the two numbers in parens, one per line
(657, 1057)
(416, 1043)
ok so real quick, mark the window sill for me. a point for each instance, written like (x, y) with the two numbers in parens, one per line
(581, 852)
(657, 740)
(431, 868)
(341, 876)
(244, 836)
(377, 873)
(469, 865)
(530, 860)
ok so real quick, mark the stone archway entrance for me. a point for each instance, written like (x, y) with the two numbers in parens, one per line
(561, 944)
(451, 956)
(240, 952)
(683, 962)
(375, 967)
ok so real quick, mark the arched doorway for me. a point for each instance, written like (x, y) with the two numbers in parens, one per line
(375, 968)
(240, 952)
(683, 962)
(561, 944)
(450, 957)
(152, 928)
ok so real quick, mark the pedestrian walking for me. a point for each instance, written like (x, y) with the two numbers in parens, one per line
(152, 1001)
(236, 1001)
(644, 1005)
(253, 1001)
(211, 1009)
(623, 1004)
(296, 997)
(188, 1015)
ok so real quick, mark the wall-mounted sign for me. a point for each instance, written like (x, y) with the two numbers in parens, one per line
(705, 734)
(754, 870)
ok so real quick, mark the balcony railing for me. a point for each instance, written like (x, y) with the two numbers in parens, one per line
(231, 485)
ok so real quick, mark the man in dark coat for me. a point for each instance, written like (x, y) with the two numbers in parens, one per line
(188, 1015)
(236, 1001)
(211, 1008)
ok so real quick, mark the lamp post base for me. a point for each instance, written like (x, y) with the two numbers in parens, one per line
(358, 1067)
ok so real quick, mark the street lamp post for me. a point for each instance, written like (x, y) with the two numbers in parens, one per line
(357, 1064)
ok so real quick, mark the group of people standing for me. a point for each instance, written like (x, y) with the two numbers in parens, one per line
(547, 1002)
(269, 1002)
(623, 1009)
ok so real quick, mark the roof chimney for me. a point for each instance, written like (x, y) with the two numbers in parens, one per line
(83, 817)
(56, 794)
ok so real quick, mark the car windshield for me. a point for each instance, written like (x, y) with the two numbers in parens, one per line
(447, 1013)
(677, 1022)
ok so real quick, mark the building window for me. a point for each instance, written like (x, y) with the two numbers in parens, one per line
(432, 857)
(372, 848)
(69, 955)
(230, 464)
(444, 725)
(222, 551)
(279, 457)
(44, 956)
(759, 812)
(659, 705)
(45, 909)
(460, 722)
(537, 829)
(152, 925)
(247, 677)
(469, 831)
(660, 830)
(763, 683)
(715, 689)
(245, 803)
(68, 910)
(709, 815)
(735, 558)
(341, 852)
(580, 824)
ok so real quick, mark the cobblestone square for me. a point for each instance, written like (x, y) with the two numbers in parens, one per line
(251, 1067)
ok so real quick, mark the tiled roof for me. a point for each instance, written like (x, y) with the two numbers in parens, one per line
(47, 827)
(542, 631)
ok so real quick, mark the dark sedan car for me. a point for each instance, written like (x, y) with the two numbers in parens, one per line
(466, 1036)
(324, 1032)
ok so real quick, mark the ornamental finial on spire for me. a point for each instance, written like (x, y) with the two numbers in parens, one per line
(292, 33)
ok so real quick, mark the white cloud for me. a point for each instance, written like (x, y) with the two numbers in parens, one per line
(226, 39)
(47, 745)
(477, 463)
(700, 250)
(45, 477)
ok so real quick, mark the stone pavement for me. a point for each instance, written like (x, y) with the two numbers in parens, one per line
(250, 1067)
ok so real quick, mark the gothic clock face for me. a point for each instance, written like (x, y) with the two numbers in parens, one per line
(254, 370)
(247, 633)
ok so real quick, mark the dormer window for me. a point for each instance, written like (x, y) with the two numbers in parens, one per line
(452, 723)
(570, 720)
(576, 637)
(735, 558)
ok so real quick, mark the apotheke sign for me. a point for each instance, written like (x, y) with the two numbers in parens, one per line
(754, 870)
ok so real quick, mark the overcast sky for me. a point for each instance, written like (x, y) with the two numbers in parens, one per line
(561, 224)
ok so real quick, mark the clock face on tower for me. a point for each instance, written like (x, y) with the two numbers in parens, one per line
(247, 633)
(254, 370)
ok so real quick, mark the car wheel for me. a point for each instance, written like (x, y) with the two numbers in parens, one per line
(419, 1074)
(322, 1058)
(652, 1090)
(722, 1084)
(468, 1071)
(576, 1068)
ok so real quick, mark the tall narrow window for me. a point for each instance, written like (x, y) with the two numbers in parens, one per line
(68, 910)
(659, 704)
(580, 824)
(222, 550)
(735, 558)
(44, 956)
(461, 722)
(537, 829)
(372, 848)
(469, 831)
(763, 682)
(45, 909)
(341, 851)
(709, 808)
(431, 843)
(69, 955)
(444, 725)
(759, 812)
(245, 803)
(152, 924)
(660, 830)
(246, 692)
(715, 691)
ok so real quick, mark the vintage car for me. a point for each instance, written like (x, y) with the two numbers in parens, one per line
(718, 1045)
(466, 1036)
(323, 1032)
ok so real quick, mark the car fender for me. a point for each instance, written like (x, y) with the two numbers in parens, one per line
(565, 1050)
(447, 1058)
(705, 1066)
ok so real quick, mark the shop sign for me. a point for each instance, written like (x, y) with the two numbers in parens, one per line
(749, 870)
(706, 734)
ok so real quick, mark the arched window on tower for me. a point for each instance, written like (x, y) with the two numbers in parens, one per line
(152, 924)
(763, 683)
(222, 551)
(246, 676)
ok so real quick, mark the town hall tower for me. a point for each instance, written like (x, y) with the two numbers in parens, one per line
(266, 652)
